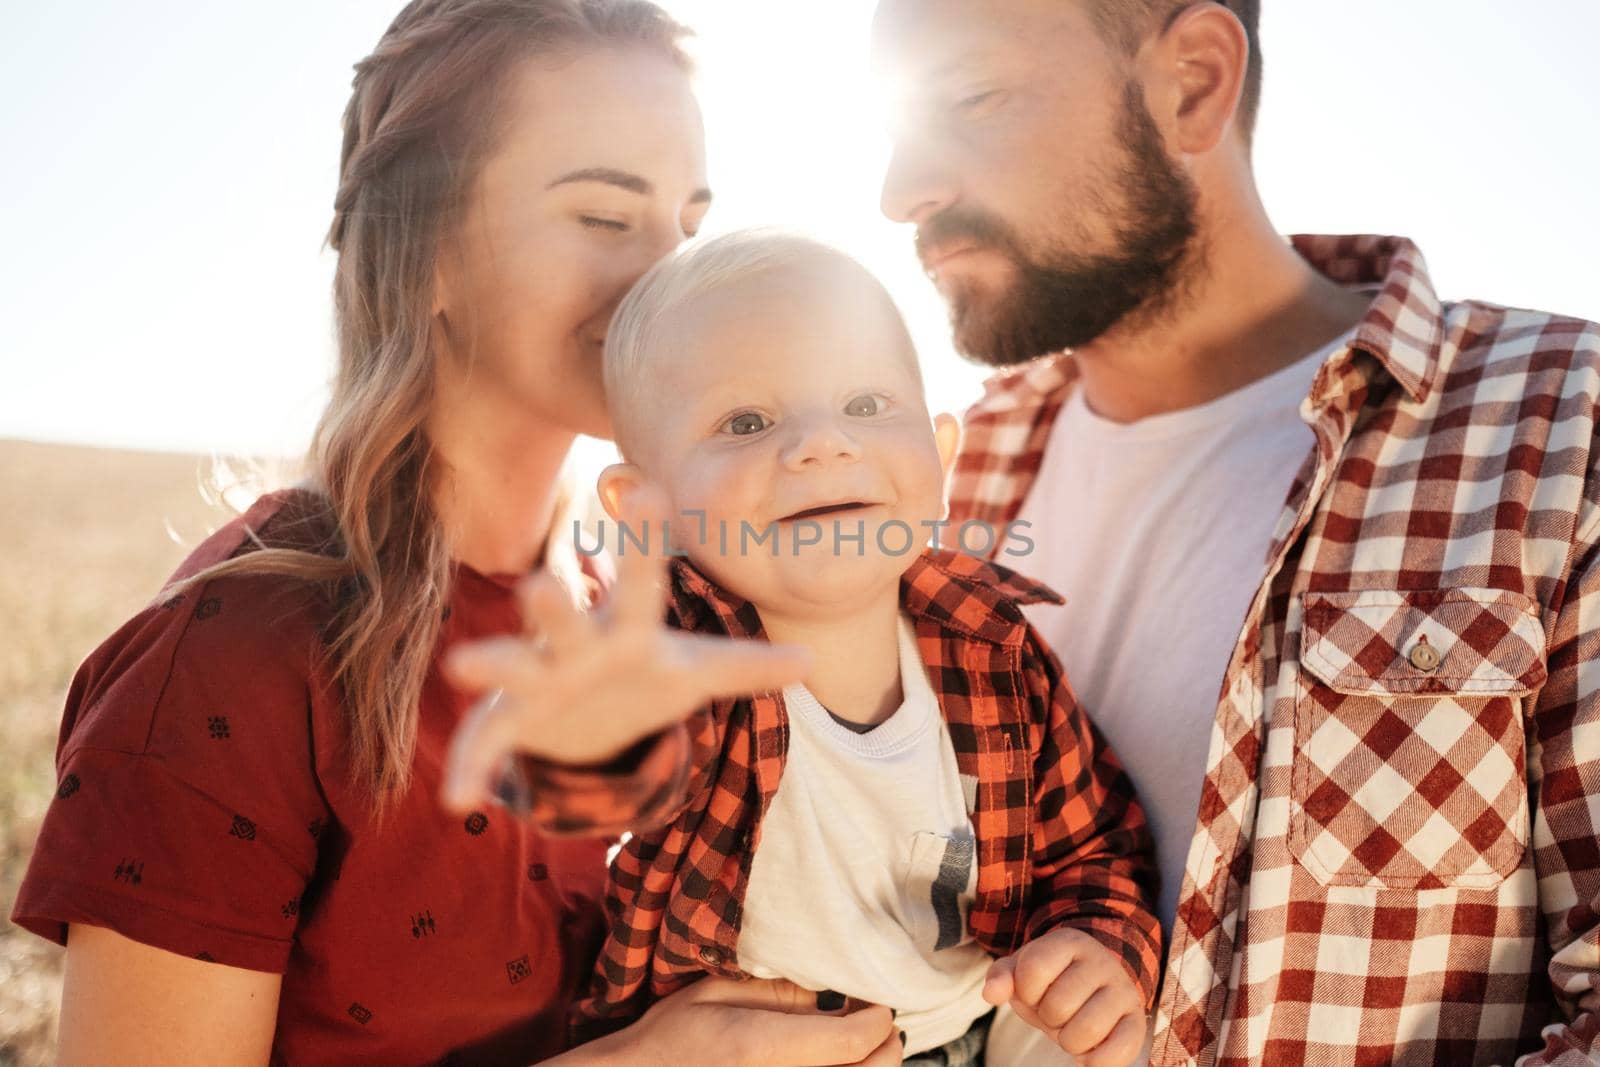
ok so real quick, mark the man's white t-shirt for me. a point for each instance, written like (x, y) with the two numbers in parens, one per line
(1156, 533)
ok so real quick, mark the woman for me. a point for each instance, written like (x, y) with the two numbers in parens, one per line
(246, 858)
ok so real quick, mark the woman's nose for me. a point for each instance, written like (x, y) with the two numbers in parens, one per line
(818, 442)
(653, 245)
(663, 239)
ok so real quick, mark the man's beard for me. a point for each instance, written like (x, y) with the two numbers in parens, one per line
(1067, 300)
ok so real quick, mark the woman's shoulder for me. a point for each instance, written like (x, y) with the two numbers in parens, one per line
(249, 638)
(297, 518)
(266, 607)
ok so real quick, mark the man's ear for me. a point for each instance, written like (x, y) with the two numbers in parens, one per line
(1208, 52)
(947, 438)
(616, 482)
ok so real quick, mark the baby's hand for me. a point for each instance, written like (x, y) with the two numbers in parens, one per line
(580, 688)
(1074, 989)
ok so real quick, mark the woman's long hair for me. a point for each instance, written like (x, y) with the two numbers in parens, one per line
(422, 118)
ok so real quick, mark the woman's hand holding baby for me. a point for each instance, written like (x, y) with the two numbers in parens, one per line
(581, 687)
(1073, 988)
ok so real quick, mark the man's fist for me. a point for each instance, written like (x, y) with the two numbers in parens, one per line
(1074, 989)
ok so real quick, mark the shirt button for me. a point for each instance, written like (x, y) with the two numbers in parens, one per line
(1424, 657)
(710, 956)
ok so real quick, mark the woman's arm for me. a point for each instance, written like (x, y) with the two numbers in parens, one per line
(130, 1004)
(745, 1024)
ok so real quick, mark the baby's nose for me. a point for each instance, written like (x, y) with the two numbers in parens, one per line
(820, 441)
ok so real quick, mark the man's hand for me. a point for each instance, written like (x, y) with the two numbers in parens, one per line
(580, 688)
(1074, 989)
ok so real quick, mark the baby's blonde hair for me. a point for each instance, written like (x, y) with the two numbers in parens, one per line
(694, 271)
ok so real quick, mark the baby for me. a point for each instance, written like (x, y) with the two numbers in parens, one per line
(929, 822)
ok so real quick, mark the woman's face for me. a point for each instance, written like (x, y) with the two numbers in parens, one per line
(599, 171)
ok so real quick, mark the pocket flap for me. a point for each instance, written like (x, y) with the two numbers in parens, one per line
(1365, 643)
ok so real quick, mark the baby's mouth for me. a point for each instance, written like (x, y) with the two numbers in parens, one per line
(826, 510)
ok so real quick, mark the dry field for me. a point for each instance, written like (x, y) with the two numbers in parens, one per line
(88, 536)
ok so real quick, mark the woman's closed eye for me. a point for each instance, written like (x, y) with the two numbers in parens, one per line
(601, 222)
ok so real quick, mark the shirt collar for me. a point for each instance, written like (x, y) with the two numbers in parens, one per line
(1404, 328)
(949, 589)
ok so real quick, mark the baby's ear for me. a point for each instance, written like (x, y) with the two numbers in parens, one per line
(947, 438)
(616, 482)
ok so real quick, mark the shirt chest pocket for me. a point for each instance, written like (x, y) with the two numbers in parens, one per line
(1409, 764)
(938, 889)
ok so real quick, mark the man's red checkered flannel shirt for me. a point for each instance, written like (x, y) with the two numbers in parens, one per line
(1396, 857)
(1060, 838)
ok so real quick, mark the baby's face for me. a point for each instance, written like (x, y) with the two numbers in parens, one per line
(788, 410)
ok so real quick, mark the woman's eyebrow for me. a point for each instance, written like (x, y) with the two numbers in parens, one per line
(622, 179)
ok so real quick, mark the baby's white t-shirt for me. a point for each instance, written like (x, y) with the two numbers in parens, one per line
(866, 865)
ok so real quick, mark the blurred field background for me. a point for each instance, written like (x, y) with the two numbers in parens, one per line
(88, 537)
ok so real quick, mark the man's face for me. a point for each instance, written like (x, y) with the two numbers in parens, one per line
(1046, 206)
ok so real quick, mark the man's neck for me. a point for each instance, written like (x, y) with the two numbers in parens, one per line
(500, 480)
(1255, 308)
(855, 671)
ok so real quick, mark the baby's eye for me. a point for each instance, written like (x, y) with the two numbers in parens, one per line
(863, 406)
(746, 424)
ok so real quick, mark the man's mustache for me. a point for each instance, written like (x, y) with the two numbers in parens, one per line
(962, 226)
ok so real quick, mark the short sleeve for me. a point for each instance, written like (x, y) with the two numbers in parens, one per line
(187, 812)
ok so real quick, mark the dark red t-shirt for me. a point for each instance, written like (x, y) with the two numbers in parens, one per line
(205, 807)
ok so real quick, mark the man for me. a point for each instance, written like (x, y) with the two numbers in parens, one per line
(1328, 544)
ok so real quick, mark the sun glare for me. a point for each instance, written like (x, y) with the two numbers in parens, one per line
(173, 291)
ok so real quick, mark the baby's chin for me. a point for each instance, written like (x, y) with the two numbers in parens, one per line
(815, 585)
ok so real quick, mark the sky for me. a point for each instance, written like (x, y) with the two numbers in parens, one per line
(171, 167)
